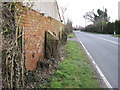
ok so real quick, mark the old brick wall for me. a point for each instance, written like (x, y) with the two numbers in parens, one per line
(35, 25)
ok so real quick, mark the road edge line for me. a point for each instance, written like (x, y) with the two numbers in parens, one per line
(106, 39)
(96, 66)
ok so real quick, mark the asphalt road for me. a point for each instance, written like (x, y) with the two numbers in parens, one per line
(104, 51)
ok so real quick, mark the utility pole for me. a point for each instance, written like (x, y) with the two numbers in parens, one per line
(103, 18)
(119, 10)
(85, 20)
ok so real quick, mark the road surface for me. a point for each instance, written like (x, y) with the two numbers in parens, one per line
(104, 51)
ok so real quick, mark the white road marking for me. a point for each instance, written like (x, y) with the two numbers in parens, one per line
(96, 66)
(106, 40)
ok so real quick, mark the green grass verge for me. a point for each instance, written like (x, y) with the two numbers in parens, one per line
(74, 71)
(72, 35)
(117, 35)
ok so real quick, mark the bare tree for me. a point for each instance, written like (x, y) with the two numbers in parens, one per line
(68, 27)
(100, 16)
(89, 16)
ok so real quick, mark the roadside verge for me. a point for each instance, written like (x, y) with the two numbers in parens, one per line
(74, 71)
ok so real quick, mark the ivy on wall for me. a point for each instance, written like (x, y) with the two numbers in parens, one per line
(13, 60)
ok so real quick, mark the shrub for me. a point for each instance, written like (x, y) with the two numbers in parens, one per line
(91, 28)
(109, 28)
(106, 28)
(117, 27)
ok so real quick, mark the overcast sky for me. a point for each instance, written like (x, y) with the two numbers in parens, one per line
(77, 8)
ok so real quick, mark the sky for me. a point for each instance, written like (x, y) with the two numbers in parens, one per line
(77, 8)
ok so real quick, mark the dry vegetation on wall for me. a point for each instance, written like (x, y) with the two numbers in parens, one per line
(13, 69)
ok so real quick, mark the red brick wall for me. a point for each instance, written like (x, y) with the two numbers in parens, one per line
(35, 26)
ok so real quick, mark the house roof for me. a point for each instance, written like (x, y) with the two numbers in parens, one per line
(48, 7)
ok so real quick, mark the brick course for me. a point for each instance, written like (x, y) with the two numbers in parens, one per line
(35, 25)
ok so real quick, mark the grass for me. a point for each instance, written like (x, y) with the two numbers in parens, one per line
(74, 71)
(116, 35)
(72, 35)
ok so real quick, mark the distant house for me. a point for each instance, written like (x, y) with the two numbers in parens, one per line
(47, 7)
